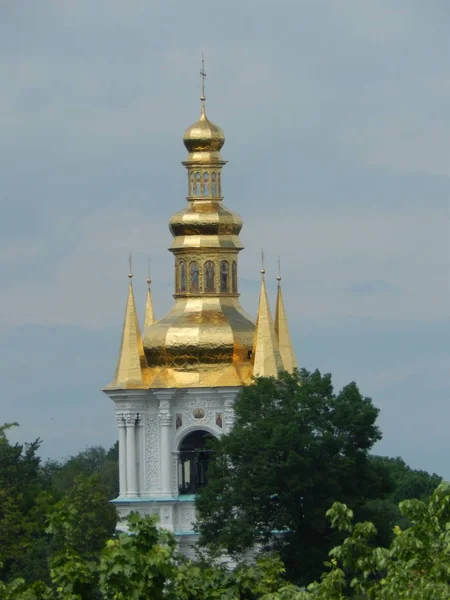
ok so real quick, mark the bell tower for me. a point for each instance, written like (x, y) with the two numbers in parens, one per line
(175, 384)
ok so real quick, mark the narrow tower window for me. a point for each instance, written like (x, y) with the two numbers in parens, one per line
(195, 285)
(209, 276)
(192, 185)
(182, 276)
(224, 276)
(213, 185)
(234, 276)
(205, 184)
(197, 184)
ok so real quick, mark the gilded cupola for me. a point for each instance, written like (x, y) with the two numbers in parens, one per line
(207, 338)
(203, 139)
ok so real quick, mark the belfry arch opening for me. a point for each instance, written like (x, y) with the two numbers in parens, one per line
(194, 457)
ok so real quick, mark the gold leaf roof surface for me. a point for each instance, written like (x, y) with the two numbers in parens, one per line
(282, 333)
(206, 339)
(267, 360)
(131, 371)
(203, 139)
(149, 318)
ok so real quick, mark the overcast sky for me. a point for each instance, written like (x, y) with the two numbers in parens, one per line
(337, 120)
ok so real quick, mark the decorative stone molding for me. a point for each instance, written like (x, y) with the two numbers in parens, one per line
(201, 411)
(187, 518)
(165, 419)
(228, 414)
(120, 419)
(229, 417)
(175, 456)
(152, 451)
(131, 419)
(164, 405)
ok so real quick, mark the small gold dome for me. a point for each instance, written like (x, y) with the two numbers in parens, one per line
(203, 136)
(206, 218)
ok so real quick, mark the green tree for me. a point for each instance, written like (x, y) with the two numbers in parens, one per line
(405, 484)
(296, 448)
(95, 460)
(20, 487)
(415, 567)
(83, 519)
(146, 565)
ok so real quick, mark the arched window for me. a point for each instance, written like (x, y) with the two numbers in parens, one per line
(205, 184)
(224, 276)
(194, 272)
(234, 277)
(182, 276)
(209, 276)
(198, 180)
(193, 462)
(191, 185)
(219, 185)
(213, 184)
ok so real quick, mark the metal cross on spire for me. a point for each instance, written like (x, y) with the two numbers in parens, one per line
(130, 263)
(203, 76)
(263, 270)
(148, 273)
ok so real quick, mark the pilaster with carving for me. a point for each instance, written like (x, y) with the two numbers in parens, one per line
(120, 420)
(152, 452)
(130, 421)
(165, 422)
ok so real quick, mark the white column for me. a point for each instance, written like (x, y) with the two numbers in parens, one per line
(165, 419)
(122, 455)
(131, 455)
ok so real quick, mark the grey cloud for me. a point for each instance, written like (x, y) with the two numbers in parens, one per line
(336, 117)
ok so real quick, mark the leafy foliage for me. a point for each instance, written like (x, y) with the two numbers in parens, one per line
(296, 448)
(83, 519)
(405, 484)
(19, 488)
(74, 495)
(57, 525)
(415, 567)
(145, 565)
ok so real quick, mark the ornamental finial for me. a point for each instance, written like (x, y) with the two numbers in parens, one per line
(130, 263)
(203, 76)
(148, 274)
(263, 270)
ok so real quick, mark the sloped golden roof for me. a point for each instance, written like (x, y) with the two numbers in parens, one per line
(267, 361)
(132, 363)
(282, 333)
(149, 318)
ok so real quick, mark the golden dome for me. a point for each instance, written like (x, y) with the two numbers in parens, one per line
(203, 341)
(203, 136)
(207, 338)
(203, 224)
